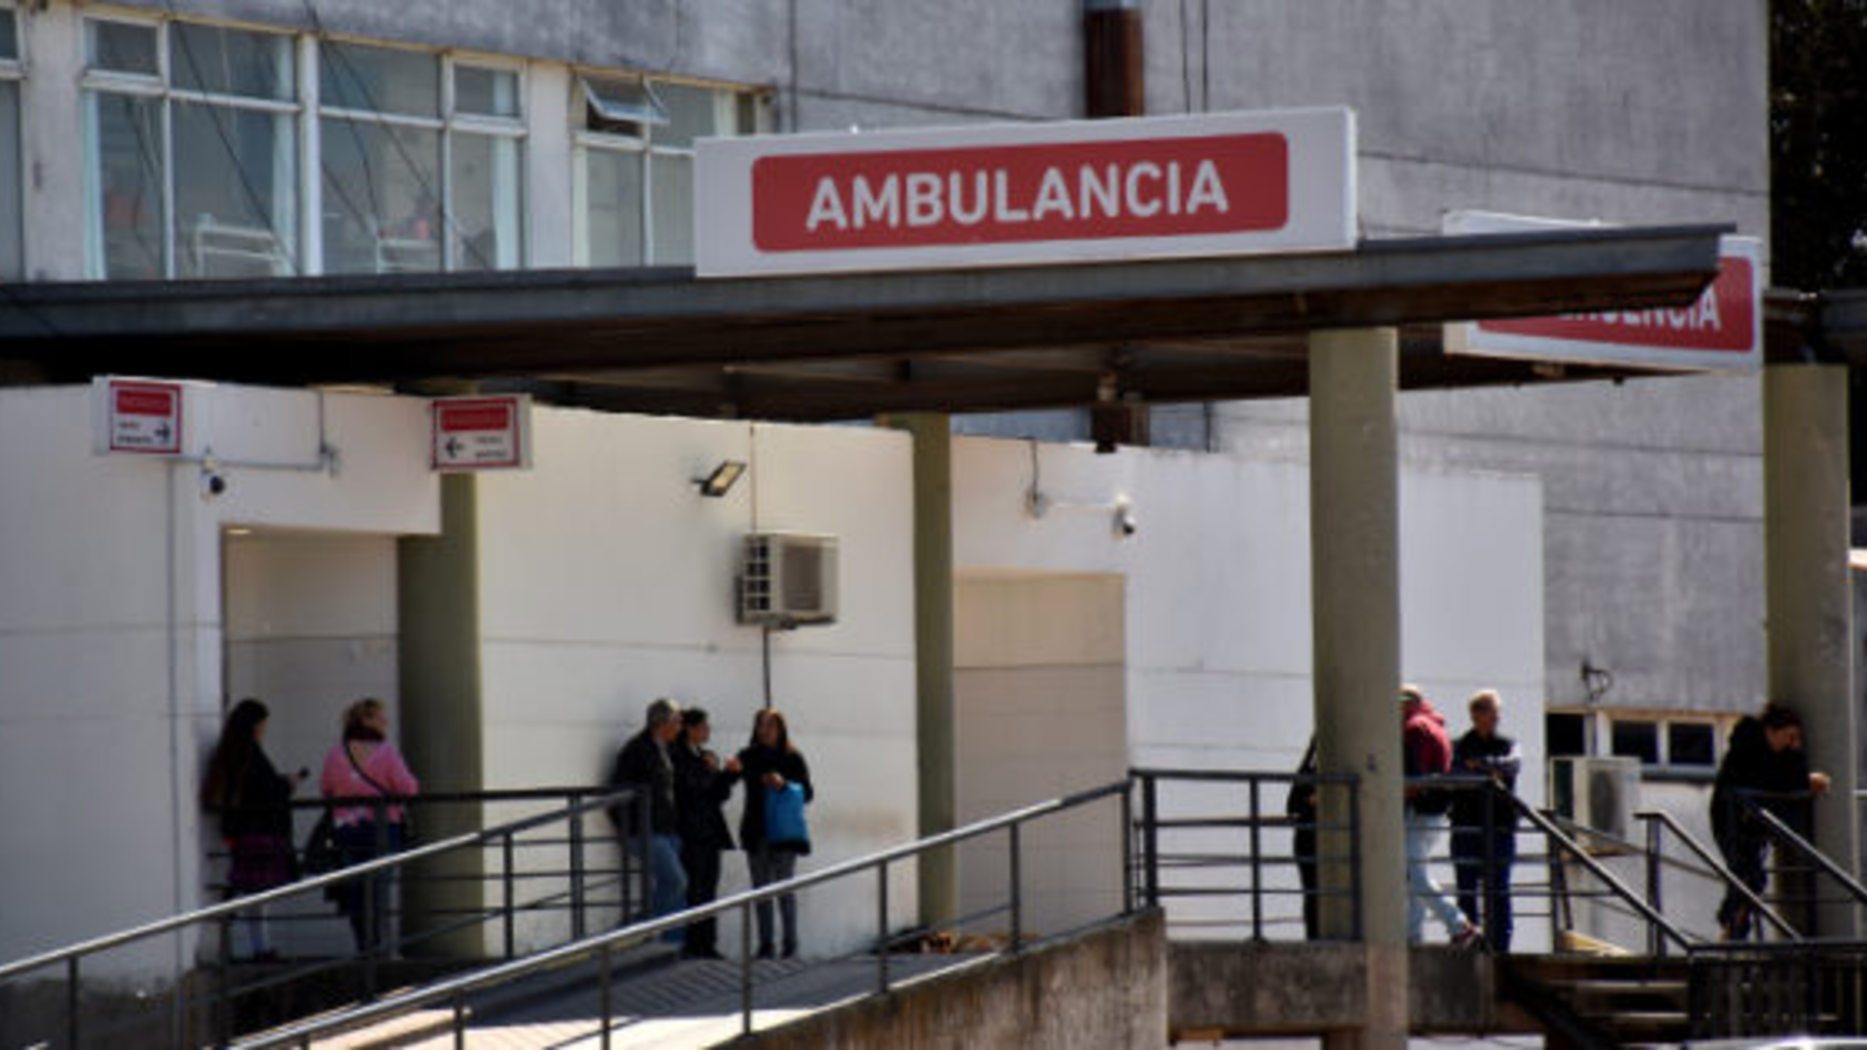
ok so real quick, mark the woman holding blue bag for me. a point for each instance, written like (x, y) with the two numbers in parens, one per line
(772, 829)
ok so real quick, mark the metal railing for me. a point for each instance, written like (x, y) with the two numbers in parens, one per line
(212, 997)
(1804, 988)
(1658, 824)
(601, 949)
(1209, 849)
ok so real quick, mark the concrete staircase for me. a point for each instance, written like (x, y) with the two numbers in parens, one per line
(1603, 1002)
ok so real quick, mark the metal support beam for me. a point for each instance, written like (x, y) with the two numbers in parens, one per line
(1809, 594)
(1355, 599)
(933, 657)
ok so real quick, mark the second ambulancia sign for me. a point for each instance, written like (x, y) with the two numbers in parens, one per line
(1214, 184)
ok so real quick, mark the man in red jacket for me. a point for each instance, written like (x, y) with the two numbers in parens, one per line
(1427, 752)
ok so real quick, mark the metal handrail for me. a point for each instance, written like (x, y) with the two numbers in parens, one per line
(294, 889)
(1723, 872)
(1568, 845)
(1784, 833)
(455, 987)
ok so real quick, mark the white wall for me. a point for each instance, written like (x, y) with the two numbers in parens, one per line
(111, 631)
(607, 581)
(1218, 613)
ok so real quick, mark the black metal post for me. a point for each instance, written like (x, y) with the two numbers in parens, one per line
(643, 833)
(1150, 837)
(603, 991)
(1656, 945)
(1017, 880)
(1354, 852)
(223, 1012)
(460, 1021)
(1257, 866)
(1490, 877)
(1127, 849)
(745, 968)
(510, 921)
(881, 928)
(72, 1013)
(576, 872)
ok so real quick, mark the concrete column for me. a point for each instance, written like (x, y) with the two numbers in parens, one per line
(1355, 597)
(1809, 593)
(933, 644)
(438, 627)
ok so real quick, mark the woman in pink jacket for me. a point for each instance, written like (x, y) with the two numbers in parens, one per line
(365, 766)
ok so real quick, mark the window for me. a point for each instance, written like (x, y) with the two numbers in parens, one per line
(1565, 733)
(634, 166)
(1639, 740)
(191, 155)
(12, 224)
(421, 161)
(1691, 744)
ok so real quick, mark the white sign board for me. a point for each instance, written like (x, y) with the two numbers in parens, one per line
(140, 416)
(491, 432)
(1025, 194)
(1722, 331)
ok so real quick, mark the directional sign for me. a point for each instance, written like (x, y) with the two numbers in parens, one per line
(993, 195)
(481, 433)
(1721, 331)
(142, 416)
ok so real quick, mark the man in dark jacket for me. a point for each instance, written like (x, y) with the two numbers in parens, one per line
(1484, 820)
(645, 763)
(1763, 765)
(701, 787)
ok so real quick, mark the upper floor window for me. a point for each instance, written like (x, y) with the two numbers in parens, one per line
(633, 184)
(420, 161)
(191, 155)
(12, 154)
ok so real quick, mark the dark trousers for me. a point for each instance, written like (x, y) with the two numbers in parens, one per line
(703, 886)
(1475, 870)
(1746, 851)
(1305, 848)
(365, 900)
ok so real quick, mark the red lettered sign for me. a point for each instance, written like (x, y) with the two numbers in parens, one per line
(480, 433)
(143, 416)
(1022, 194)
(1721, 331)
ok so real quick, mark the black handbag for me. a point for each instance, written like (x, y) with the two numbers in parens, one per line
(321, 852)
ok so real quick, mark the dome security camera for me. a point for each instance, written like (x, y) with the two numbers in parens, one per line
(1126, 525)
(213, 482)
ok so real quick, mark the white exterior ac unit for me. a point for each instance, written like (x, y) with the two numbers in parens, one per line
(788, 579)
(1598, 793)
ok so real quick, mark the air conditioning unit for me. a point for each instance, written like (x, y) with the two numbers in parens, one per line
(1597, 793)
(788, 579)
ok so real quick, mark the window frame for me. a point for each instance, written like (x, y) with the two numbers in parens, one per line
(13, 71)
(161, 87)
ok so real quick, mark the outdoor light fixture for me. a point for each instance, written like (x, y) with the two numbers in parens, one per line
(722, 480)
(1596, 681)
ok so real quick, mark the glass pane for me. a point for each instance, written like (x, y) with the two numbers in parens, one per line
(354, 76)
(230, 62)
(486, 203)
(1565, 734)
(612, 217)
(1639, 740)
(235, 188)
(121, 47)
(125, 211)
(12, 235)
(692, 114)
(382, 209)
(673, 210)
(487, 92)
(621, 107)
(9, 34)
(1690, 744)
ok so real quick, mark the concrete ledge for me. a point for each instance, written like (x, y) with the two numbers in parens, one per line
(1220, 989)
(1105, 987)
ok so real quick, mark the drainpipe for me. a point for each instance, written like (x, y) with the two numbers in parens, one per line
(1114, 85)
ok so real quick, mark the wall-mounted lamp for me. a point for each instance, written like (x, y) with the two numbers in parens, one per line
(722, 480)
(1596, 681)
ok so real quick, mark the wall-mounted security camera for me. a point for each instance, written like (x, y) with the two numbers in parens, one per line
(213, 482)
(1126, 524)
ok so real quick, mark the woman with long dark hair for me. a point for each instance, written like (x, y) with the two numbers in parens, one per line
(363, 766)
(770, 764)
(249, 797)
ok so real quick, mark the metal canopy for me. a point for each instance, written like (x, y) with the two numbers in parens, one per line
(812, 348)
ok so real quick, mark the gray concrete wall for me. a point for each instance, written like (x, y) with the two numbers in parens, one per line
(1031, 1000)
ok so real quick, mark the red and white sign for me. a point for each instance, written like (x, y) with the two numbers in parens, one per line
(481, 433)
(141, 416)
(1721, 331)
(1213, 184)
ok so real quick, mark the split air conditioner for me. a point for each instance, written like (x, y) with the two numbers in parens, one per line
(1595, 792)
(788, 579)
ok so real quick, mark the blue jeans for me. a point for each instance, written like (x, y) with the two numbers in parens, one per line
(1423, 894)
(667, 880)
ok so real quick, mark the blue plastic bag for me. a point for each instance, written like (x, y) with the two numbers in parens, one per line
(784, 817)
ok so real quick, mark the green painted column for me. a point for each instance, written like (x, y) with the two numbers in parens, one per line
(1355, 599)
(1809, 594)
(440, 724)
(933, 645)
